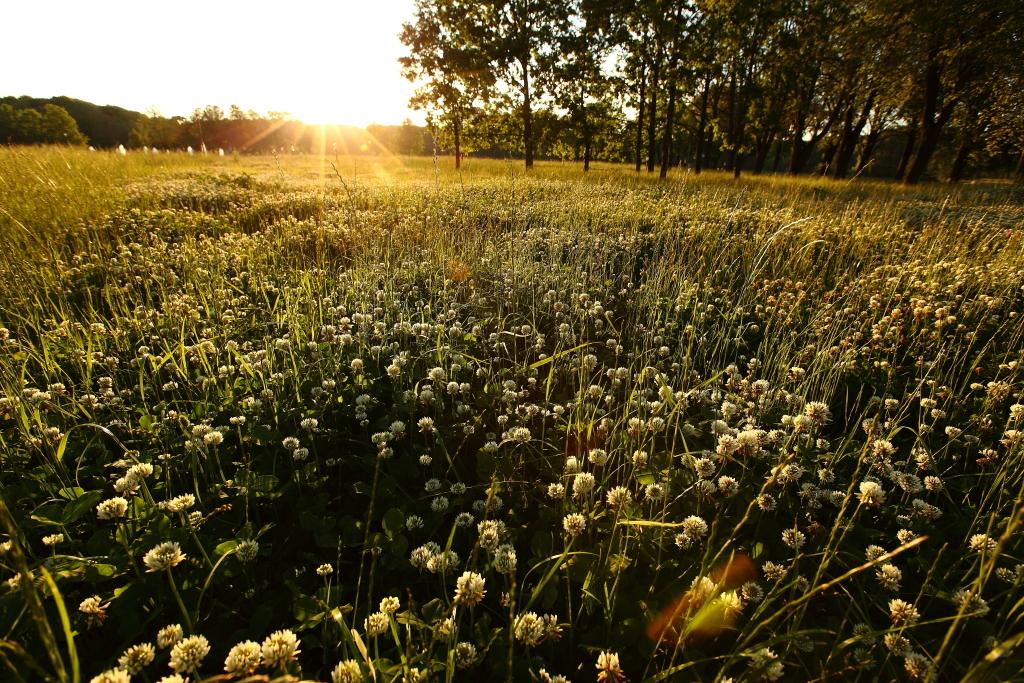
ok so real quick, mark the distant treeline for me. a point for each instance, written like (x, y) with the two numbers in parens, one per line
(28, 120)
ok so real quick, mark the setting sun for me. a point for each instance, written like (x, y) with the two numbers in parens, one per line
(320, 62)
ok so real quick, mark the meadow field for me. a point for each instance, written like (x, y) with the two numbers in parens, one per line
(370, 419)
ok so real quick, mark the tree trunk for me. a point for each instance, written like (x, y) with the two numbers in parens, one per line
(653, 114)
(933, 118)
(826, 158)
(666, 142)
(908, 151)
(527, 114)
(587, 146)
(640, 118)
(929, 141)
(457, 130)
(956, 173)
(778, 156)
(848, 144)
(868, 150)
(1020, 166)
(764, 146)
(797, 158)
(701, 125)
(730, 160)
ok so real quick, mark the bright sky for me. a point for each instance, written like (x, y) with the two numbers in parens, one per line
(333, 61)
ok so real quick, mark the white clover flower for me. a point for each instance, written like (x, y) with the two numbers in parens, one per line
(469, 589)
(280, 648)
(793, 538)
(246, 550)
(608, 669)
(389, 605)
(243, 658)
(376, 624)
(871, 494)
(619, 497)
(180, 503)
(903, 613)
(505, 559)
(137, 657)
(347, 671)
(112, 508)
(112, 676)
(164, 556)
(169, 635)
(574, 524)
(982, 543)
(188, 654)
(582, 484)
(889, 576)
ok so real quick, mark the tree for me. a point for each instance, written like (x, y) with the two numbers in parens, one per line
(512, 40)
(452, 72)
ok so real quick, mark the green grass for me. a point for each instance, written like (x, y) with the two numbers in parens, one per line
(551, 375)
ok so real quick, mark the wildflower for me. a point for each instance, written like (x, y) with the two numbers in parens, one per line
(180, 503)
(654, 492)
(751, 591)
(465, 655)
(871, 494)
(243, 658)
(491, 532)
(93, 609)
(505, 559)
(347, 671)
(53, 539)
(889, 576)
(169, 635)
(574, 524)
(246, 550)
(469, 589)
(896, 643)
(112, 508)
(582, 484)
(903, 613)
(619, 497)
(968, 601)
(917, 666)
(793, 538)
(608, 670)
(324, 570)
(188, 653)
(981, 543)
(773, 571)
(112, 676)
(520, 434)
(279, 648)
(164, 556)
(389, 605)
(137, 657)
(376, 624)
(874, 552)
(728, 486)
(532, 629)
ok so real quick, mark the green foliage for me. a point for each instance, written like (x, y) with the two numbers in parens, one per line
(49, 125)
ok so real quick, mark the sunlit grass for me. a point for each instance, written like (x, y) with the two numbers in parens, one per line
(756, 429)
